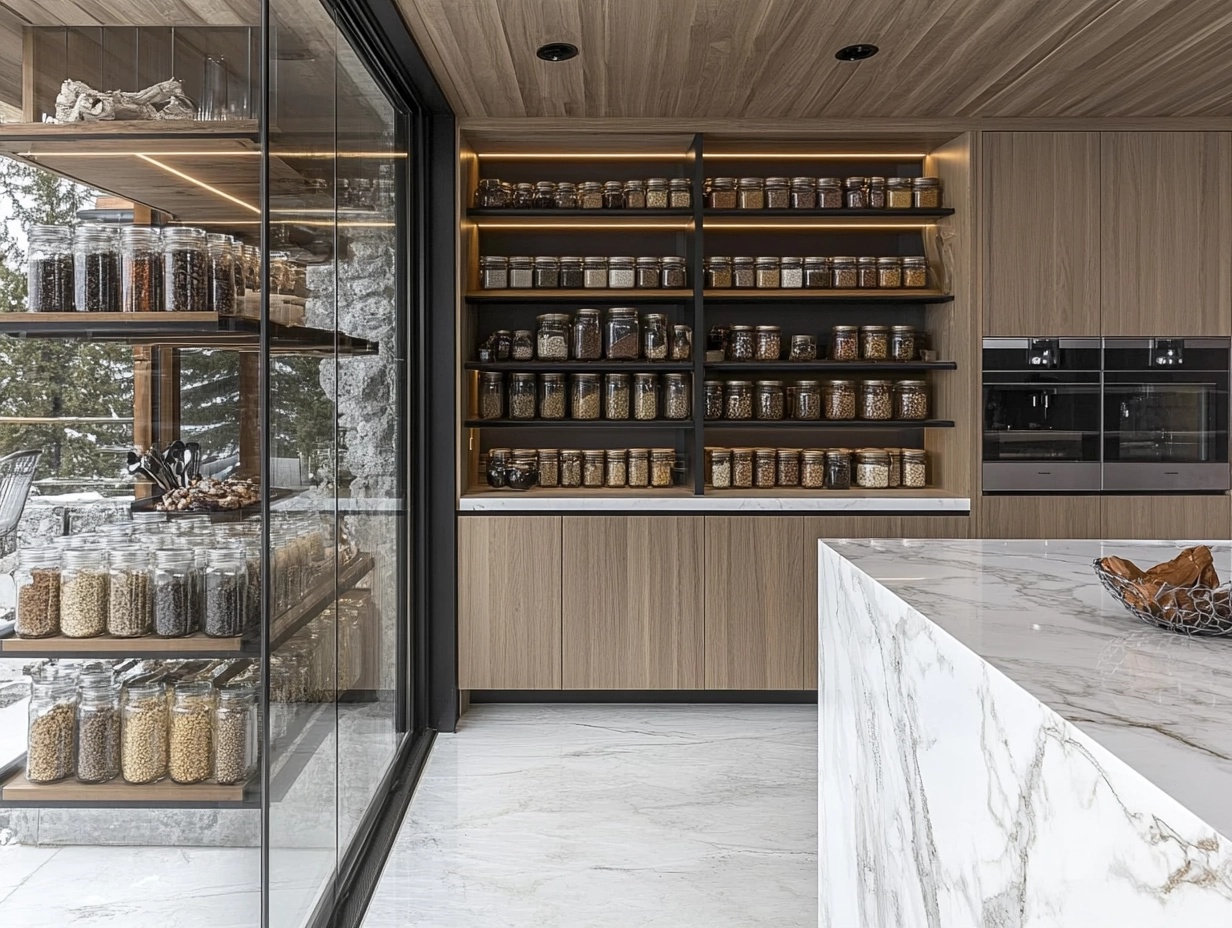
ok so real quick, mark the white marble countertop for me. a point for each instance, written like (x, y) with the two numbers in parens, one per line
(755, 501)
(1034, 610)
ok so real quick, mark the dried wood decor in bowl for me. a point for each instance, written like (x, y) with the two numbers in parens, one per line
(1182, 595)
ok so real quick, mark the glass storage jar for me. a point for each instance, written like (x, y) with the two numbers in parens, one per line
(789, 467)
(902, 343)
(226, 583)
(738, 400)
(845, 275)
(37, 582)
(926, 193)
(594, 466)
(874, 342)
(635, 194)
(915, 470)
(566, 196)
(866, 272)
(839, 399)
(572, 277)
(876, 399)
(720, 468)
(768, 401)
(769, 276)
(656, 193)
(522, 347)
(98, 727)
(742, 343)
(639, 467)
(185, 280)
(752, 193)
(191, 752)
(491, 395)
(83, 592)
(829, 193)
(143, 732)
(844, 343)
(680, 193)
(493, 272)
(838, 469)
(235, 735)
(648, 273)
(587, 335)
(613, 195)
(812, 469)
(777, 195)
(547, 272)
(49, 269)
(677, 396)
(872, 469)
(96, 269)
(620, 273)
(129, 603)
(590, 194)
(808, 399)
(522, 390)
(51, 732)
(616, 472)
(803, 348)
(742, 468)
(545, 195)
(896, 467)
(713, 391)
(521, 272)
(791, 273)
(673, 273)
(682, 342)
(876, 193)
(176, 582)
(645, 396)
(220, 275)
(654, 337)
(855, 193)
(623, 333)
(616, 393)
(722, 193)
(889, 272)
(769, 342)
(552, 337)
(915, 271)
(803, 193)
(524, 196)
(817, 273)
(910, 401)
(898, 192)
(765, 467)
(718, 273)
(744, 272)
(584, 396)
(570, 468)
(490, 194)
(548, 462)
(662, 461)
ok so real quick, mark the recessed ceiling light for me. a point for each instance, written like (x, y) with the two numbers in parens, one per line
(557, 51)
(856, 52)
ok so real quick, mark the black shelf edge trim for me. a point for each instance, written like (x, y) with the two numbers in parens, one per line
(819, 296)
(897, 424)
(681, 424)
(629, 297)
(885, 367)
(639, 367)
(888, 214)
(596, 214)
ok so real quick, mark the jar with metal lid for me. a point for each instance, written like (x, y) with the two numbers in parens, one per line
(876, 399)
(872, 469)
(844, 343)
(587, 335)
(769, 343)
(855, 193)
(866, 272)
(613, 195)
(910, 401)
(677, 396)
(926, 193)
(49, 270)
(502, 344)
(791, 273)
(654, 337)
(235, 735)
(635, 194)
(803, 348)
(570, 468)
(680, 193)
(220, 275)
(176, 583)
(523, 196)
(639, 467)
(752, 193)
(226, 582)
(738, 400)
(876, 193)
(744, 272)
(566, 195)
(83, 592)
(662, 461)
(839, 399)
(572, 277)
(682, 343)
(616, 473)
(896, 467)
(493, 272)
(803, 193)
(584, 396)
(818, 274)
(185, 258)
(98, 727)
(623, 334)
(808, 399)
(590, 194)
(130, 611)
(874, 342)
(718, 273)
(713, 391)
(915, 271)
(765, 467)
(898, 192)
(769, 399)
(742, 468)
(777, 193)
(191, 751)
(720, 469)
(656, 193)
(648, 273)
(845, 275)
(252, 268)
(889, 272)
(594, 467)
(51, 733)
(902, 343)
(491, 395)
(616, 396)
(37, 582)
(620, 272)
(722, 193)
(645, 396)
(551, 337)
(490, 194)
(812, 469)
(547, 272)
(96, 270)
(789, 467)
(548, 462)
(522, 347)
(838, 469)
(143, 732)
(769, 276)
(915, 470)
(829, 193)
(522, 272)
(742, 343)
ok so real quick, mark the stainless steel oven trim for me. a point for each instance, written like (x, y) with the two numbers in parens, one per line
(1151, 476)
(1026, 342)
(1198, 342)
(1022, 477)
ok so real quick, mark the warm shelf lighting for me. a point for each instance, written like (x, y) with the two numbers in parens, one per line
(483, 224)
(816, 156)
(582, 155)
(226, 153)
(719, 224)
(200, 183)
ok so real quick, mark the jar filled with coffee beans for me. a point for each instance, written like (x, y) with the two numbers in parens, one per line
(714, 399)
(874, 342)
(616, 395)
(839, 399)
(812, 469)
(551, 396)
(915, 470)
(176, 584)
(226, 583)
(51, 734)
(141, 269)
(769, 342)
(522, 390)
(872, 469)
(98, 727)
(662, 462)
(838, 469)
(902, 343)
(910, 400)
(185, 270)
(551, 337)
(654, 337)
(769, 401)
(586, 335)
(720, 468)
(96, 269)
(808, 400)
(191, 754)
(49, 266)
(143, 732)
(677, 396)
(738, 401)
(639, 467)
(130, 608)
(789, 467)
(235, 735)
(83, 592)
(623, 334)
(37, 582)
(491, 395)
(765, 467)
(584, 396)
(645, 396)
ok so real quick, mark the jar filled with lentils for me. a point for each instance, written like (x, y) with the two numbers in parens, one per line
(656, 193)
(594, 272)
(889, 272)
(902, 343)
(718, 273)
(645, 396)
(872, 469)
(812, 469)
(738, 401)
(742, 343)
(144, 733)
(98, 727)
(551, 337)
(898, 192)
(926, 192)
(594, 468)
(662, 462)
(876, 399)
(83, 592)
(491, 395)
(639, 467)
(845, 275)
(791, 273)
(808, 399)
(838, 469)
(586, 335)
(744, 272)
(713, 391)
(37, 582)
(769, 274)
(570, 468)
(680, 193)
(818, 275)
(51, 732)
(866, 272)
(765, 467)
(915, 470)
(616, 468)
(910, 400)
(769, 339)
(789, 467)
(839, 399)
(845, 343)
(677, 396)
(590, 194)
(742, 468)
(752, 193)
(584, 396)
(769, 400)
(915, 271)
(874, 342)
(778, 194)
(616, 393)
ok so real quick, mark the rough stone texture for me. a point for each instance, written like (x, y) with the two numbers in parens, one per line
(143, 827)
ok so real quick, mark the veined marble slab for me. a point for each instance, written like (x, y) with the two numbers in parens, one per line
(518, 502)
(1001, 744)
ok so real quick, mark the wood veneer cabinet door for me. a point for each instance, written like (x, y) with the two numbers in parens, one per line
(1166, 233)
(1040, 517)
(632, 602)
(1041, 213)
(509, 602)
(1207, 518)
(754, 603)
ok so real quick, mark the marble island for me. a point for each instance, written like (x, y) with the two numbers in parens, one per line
(1002, 744)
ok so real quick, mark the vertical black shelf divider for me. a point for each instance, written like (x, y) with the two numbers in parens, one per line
(697, 272)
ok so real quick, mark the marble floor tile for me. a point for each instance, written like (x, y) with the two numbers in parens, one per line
(655, 816)
(18, 863)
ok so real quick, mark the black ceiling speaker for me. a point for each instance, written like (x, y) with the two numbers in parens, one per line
(856, 52)
(557, 51)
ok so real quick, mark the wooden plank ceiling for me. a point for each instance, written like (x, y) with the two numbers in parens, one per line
(775, 58)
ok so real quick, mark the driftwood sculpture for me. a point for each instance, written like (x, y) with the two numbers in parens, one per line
(78, 102)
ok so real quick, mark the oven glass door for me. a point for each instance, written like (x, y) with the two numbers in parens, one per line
(1168, 418)
(1043, 421)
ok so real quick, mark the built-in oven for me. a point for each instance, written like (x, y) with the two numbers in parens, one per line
(1041, 415)
(1166, 414)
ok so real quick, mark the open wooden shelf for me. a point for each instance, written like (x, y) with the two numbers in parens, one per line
(853, 493)
(752, 295)
(826, 218)
(831, 367)
(624, 493)
(583, 218)
(898, 424)
(196, 645)
(327, 589)
(17, 790)
(595, 295)
(639, 367)
(579, 423)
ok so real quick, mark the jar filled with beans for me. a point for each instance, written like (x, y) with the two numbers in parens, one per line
(491, 395)
(789, 467)
(769, 342)
(645, 396)
(829, 193)
(677, 396)
(769, 400)
(839, 399)
(721, 193)
(98, 727)
(37, 582)
(616, 396)
(590, 194)
(548, 462)
(623, 334)
(803, 193)
(765, 467)
(744, 272)
(889, 272)
(674, 276)
(616, 472)
(808, 399)
(915, 470)
(656, 193)
(235, 735)
(872, 469)
(718, 273)
(551, 337)
(51, 733)
(191, 752)
(522, 347)
(738, 402)
(876, 399)
(866, 272)
(713, 390)
(752, 193)
(742, 343)
(838, 469)
(654, 337)
(648, 273)
(570, 467)
(586, 335)
(742, 468)
(84, 583)
(129, 602)
(522, 389)
(635, 194)
(845, 274)
(845, 343)
(639, 467)
(902, 342)
(910, 400)
(874, 342)
(818, 275)
(594, 468)
(143, 733)
(584, 396)
(662, 461)
(769, 274)
(551, 396)
(898, 192)
(915, 272)
(720, 468)
(812, 469)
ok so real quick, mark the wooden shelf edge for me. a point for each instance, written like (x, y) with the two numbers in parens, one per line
(597, 294)
(885, 367)
(195, 645)
(292, 620)
(806, 295)
(17, 790)
(897, 424)
(579, 423)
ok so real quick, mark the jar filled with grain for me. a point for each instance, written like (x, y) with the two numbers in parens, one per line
(143, 732)
(616, 472)
(551, 337)
(876, 399)
(765, 467)
(493, 272)
(191, 753)
(49, 270)
(590, 194)
(654, 337)
(803, 348)
(845, 343)
(720, 468)
(718, 273)
(662, 462)
(185, 270)
(742, 468)
(680, 193)
(682, 343)
(791, 273)
(96, 270)
(896, 467)
(898, 192)
(491, 395)
(777, 193)
(635, 194)
(808, 399)
(769, 342)
(915, 271)
(235, 735)
(566, 196)
(37, 582)
(584, 396)
(594, 272)
(838, 469)
(613, 195)
(738, 401)
(656, 193)
(915, 470)
(722, 193)
(616, 392)
(570, 468)
(839, 399)
(889, 272)
(744, 272)
(645, 396)
(83, 592)
(818, 275)
(812, 469)
(829, 193)
(874, 342)
(752, 193)
(130, 607)
(521, 272)
(548, 462)
(803, 194)
(176, 584)
(910, 402)
(673, 273)
(586, 335)
(639, 467)
(742, 343)
(522, 348)
(677, 396)
(98, 727)
(523, 196)
(872, 469)
(769, 276)
(51, 733)
(594, 467)
(789, 467)
(623, 334)
(648, 273)
(855, 193)
(226, 585)
(621, 273)
(902, 342)
(926, 193)
(769, 400)
(866, 272)
(547, 272)
(572, 277)
(876, 193)
(845, 275)
(713, 391)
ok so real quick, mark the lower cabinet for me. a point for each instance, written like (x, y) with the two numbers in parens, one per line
(1040, 517)
(509, 581)
(632, 603)
(1166, 517)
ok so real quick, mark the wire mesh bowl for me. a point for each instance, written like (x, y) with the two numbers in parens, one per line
(1192, 610)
